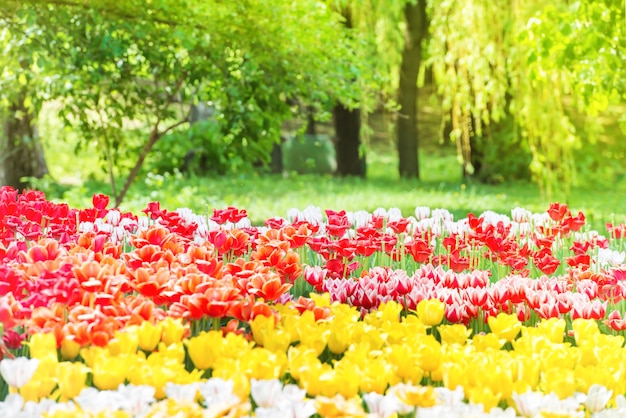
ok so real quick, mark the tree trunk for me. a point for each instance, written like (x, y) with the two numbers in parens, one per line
(21, 152)
(350, 161)
(348, 130)
(407, 135)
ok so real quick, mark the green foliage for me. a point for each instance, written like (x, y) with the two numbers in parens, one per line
(500, 154)
(138, 64)
(533, 61)
(309, 154)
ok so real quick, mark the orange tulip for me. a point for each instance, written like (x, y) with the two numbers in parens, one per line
(267, 286)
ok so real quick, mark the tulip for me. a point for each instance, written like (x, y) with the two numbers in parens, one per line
(266, 393)
(173, 330)
(484, 396)
(430, 356)
(205, 349)
(597, 398)
(403, 359)
(585, 330)
(149, 336)
(431, 311)
(560, 381)
(42, 382)
(18, 372)
(71, 378)
(110, 372)
(420, 396)
(505, 326)
(454, 334)
(69, 348)
(553, 329)
(43, 346)
(339, 406)
(125, 342)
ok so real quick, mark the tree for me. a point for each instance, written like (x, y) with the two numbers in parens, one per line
(530, 62)
(347, 121)
(144, 64)
(21, 153)
(407, 134)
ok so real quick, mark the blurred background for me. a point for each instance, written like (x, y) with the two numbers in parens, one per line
(344, 104)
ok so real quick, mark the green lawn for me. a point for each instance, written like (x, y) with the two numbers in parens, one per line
(264, 196)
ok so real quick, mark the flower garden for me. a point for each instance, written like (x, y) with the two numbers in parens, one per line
(329, 314)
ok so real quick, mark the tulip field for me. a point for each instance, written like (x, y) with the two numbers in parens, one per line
(320, 313)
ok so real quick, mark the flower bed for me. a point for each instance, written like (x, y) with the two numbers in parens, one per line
(335, 313)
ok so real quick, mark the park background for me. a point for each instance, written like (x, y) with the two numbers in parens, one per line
(468, 105)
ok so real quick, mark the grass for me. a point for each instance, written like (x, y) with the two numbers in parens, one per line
(78, 177)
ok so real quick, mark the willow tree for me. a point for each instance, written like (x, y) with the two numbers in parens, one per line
(527, 62)
(138, 63)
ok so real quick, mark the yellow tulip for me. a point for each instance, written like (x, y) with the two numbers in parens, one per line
(584, 330)
(454, 334)
(142, 373)
(205, 349)
(173, 330)
(259, 326)
(560, 357)
(321, 299)
(484, 342)
(499, 379)
(553, 329)
(110, 372)
(43, 347)
(420, 396)
(505, 326)
(429, 351)
(173, 352)
(404, 361)
(431, 311)
(277, 340)
(369, 335)
(375, 376)
(484, 396)
(314, 377)
(125, 342)
(300, 358)
(338, 406)
(455, 374)
(71, 378)
(339, 338)
(149, 335)
(314, 337)
(560, 381)
(43, 381)
(343, 381)
(69, 348)
(386, 312)
(261, 363)
(527, 373)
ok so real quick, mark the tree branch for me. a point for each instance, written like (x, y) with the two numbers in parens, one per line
(117, 11)
(155, 135)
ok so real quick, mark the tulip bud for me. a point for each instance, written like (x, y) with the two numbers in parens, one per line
(431, 311)
(43, 346)
(149, 336)
(505, 326)
(173, 331)
(69, 349)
